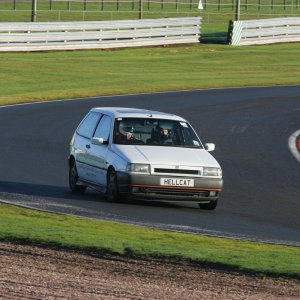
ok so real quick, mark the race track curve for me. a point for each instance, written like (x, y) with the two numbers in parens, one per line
(250, 127)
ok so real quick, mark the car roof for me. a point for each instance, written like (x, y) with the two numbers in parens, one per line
(122, 112)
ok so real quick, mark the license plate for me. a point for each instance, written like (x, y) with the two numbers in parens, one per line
(177, 182)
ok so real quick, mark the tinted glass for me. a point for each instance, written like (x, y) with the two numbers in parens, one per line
(103, 128)
(88, 125)
(155, 132)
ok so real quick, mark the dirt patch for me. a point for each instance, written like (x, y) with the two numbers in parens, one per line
(30, 272)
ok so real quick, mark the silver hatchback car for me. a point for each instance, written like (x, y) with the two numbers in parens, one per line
(145, 154)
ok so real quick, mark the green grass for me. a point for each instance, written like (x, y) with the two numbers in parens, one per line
(19, 224)
(28, 77)
(94, 10)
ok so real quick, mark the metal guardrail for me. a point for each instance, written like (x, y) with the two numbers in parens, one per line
(265, 31)
(98, 35)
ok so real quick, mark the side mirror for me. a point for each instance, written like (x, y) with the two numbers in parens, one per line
(210, 147)
(99, 141)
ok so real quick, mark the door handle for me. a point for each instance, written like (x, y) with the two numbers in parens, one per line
(88, 146)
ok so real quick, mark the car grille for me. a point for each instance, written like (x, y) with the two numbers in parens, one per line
(176, 171)
(185, 192)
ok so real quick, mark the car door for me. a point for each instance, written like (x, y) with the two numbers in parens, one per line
(82, 143)
(99, 148)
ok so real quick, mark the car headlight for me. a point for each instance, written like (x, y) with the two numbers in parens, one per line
(212, 172)
(138, 168)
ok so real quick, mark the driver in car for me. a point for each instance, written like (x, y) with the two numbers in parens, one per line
(122, 136)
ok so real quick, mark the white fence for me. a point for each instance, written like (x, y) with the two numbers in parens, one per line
(266, 31)
(98, 35)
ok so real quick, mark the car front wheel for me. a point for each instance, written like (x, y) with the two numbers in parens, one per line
(209, 206)
(73, 179)
(112, 191)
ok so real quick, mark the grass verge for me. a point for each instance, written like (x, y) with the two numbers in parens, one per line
(26, 77)
(19, 224)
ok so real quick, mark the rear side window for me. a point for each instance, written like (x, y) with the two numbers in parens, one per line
(88, 125)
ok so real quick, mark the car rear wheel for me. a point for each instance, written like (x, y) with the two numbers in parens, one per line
(73, 179)
(209, 206)
(112, 191)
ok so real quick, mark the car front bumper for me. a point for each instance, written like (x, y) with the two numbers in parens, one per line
(148, 187)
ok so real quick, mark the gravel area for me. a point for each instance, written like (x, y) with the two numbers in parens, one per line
(31, 272)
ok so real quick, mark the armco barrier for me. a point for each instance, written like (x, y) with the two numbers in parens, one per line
(103, 34)
(265, 31)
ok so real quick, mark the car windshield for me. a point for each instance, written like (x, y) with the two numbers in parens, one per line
(155, 132)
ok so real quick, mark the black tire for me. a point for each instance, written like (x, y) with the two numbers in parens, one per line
(112, 190)
(73, 179)
(209, 206)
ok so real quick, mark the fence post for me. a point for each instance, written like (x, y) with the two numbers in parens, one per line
(238, 10)
(140, 9)
(33, 11)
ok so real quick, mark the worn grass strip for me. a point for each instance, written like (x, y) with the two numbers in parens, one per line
(21, 224)
(56, 75)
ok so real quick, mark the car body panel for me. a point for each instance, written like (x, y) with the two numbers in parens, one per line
(161, 155)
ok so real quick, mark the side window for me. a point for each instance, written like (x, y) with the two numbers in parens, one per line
(103, 128)
(87, 126)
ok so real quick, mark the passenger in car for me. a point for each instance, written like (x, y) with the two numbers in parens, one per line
(161, 136)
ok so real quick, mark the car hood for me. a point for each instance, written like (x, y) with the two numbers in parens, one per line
(155, 155)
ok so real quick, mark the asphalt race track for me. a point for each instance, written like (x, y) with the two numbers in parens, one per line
(250, 127)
